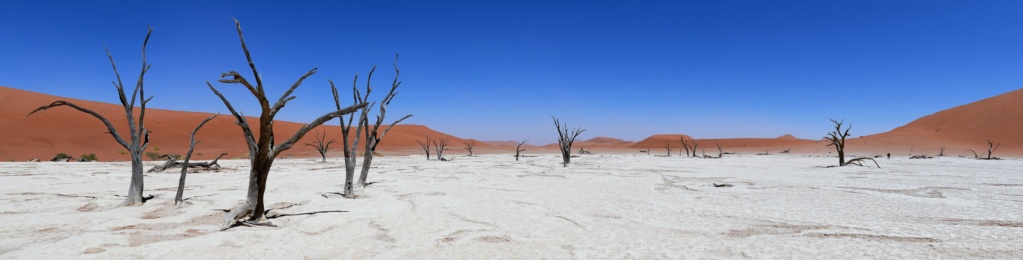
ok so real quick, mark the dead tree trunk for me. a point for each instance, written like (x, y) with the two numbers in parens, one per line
(942, 151)
(263, 150)
(373, 134)
(469, 144)
(694, 144)
(667, 145)
(426, 147)
(685, 144)
(321, 145)
(991, 147)
(139, 135)
(720, 151)
(439, 146)
(565, 139)
(837, 139)
(184, 170)
(351, 148)
(518, 149)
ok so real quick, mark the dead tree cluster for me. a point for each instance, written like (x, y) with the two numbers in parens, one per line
(689, 145)
(991, 147)
(372, 134)
(138, 134)
(837, 139)
(566, 137)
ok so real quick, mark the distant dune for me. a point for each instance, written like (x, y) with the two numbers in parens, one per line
(998, 118)
(65, 130)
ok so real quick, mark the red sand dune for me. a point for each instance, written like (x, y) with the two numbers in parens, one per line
(998, 118)
(66, 130)
(758, 145)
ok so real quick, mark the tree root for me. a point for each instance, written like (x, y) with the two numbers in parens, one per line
(236, 215)
(859, 161)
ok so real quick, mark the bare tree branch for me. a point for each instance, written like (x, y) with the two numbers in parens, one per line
(110, 127)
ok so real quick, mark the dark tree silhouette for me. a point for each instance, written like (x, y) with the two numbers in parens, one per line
(469, 144)
(439, 146)
(518, 149)
(322, 145)
(263, 149)
(139, 135)
(566, 137)
(426, 146)
(837, 139)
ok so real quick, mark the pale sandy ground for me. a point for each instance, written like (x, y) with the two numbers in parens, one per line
(602, 206)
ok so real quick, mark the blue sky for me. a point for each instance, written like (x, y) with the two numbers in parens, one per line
(498, 70)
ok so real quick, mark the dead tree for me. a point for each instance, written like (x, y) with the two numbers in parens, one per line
(321, 145)
(667, 145)
(991, 147)
(439, 146)
(425, 146)
(350, 146)
(139, 135)
(518, 149)
(837, 139)
(566, 137)
(720, 151)
(262, 149)
(684, 144)
(373, 135)
(184, 170)
(942, 151)
(469, 144)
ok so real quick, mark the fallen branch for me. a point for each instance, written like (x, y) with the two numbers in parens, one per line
(174, 163)
(859, 161)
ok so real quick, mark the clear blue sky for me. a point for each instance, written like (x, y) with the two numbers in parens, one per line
(497, 70)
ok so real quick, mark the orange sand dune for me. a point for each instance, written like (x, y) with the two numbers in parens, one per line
(65, 130)
(759, 145)
(998, 118)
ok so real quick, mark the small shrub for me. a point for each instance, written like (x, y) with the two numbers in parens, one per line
(89, 157)
(122, 152)
(152, 155)
(61, 157)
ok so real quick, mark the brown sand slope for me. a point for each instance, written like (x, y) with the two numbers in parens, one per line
(998, 118)
(773, 145)
(65, 130)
